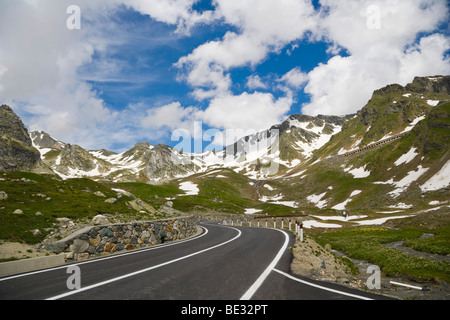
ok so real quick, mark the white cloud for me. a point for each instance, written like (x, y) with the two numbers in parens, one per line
(41, 58)
(258, 111)
(264, 26)
(347, 23)
(255, 82)
(172, 116)
(40, 61)
(175, 12)
(377, 57)
(295, 78)
(426, 58)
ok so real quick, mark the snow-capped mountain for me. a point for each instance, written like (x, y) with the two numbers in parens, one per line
(261, 155)
(391, 151)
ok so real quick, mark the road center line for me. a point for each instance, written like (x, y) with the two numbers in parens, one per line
(144, 270)
(251, 291)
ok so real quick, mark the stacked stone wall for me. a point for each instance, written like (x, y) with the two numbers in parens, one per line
(107, 239)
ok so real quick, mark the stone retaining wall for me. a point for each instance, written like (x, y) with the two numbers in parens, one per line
(106, 239)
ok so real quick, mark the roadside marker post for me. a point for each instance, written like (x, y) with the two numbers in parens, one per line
(301, 232)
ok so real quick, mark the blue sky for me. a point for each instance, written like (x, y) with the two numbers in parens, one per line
(139, 70)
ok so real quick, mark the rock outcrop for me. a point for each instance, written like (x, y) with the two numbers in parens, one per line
(16, 150)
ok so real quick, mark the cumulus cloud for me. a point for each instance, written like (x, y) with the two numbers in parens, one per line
(171, 116)
(175, 12)
(268, 29)
(256, 110)
(378, 53)
(41, 57)
(371, 43)
(41, 65)
(255, 82)
(295, 78)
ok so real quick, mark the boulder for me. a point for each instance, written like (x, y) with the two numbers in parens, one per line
(99, 194)
(169, 204)
(99, 219)
(105, 232)
(110, 247)
(95, 241)
(139, 205)
(18, 211)
(36, 233)
(79, 246)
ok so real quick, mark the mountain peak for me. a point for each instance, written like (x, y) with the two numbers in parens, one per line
(43, 140)
(434, 84)
(16, 149)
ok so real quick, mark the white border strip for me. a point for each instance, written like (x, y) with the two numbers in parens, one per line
(143, 270)
(321, 287)
(251, 291)
(405, 285)
(114, 256)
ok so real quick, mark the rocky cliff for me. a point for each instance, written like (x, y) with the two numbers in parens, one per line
(16, 150)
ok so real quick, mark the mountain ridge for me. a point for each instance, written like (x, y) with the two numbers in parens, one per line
(325, 162)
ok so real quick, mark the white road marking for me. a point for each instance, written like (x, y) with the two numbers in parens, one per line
(251, 291)
(321, 287)
(143, 270)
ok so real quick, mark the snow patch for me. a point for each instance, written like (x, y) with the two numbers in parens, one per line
(433, 103)
(407, 157)
(358, 173)
(339, 218)
(271, 198)
(379, 220)
(439, 180)
(317, 200)
(316, 224)
(401, 205)
(403, 184)
(342, 205)
(252, 211)
(190, 188)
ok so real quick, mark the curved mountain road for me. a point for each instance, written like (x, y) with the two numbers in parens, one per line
(223, 263)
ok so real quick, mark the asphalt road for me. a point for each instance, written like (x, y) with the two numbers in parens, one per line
(223, 263)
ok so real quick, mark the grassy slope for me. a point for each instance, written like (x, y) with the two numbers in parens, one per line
(431, 139)
(52, 197)
(366, 243)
